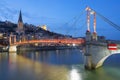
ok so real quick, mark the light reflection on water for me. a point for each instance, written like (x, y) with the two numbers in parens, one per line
(54, 65)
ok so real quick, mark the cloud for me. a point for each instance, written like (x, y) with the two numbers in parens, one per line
(7, 12)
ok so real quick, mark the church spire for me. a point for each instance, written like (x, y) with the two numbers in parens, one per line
(20, 17)
(20, 27)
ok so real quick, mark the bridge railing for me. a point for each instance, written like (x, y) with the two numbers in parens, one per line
(64, 41)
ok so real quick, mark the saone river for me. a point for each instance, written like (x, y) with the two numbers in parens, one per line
(55, 65)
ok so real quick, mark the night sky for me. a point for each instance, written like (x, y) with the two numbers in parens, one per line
(64, 16)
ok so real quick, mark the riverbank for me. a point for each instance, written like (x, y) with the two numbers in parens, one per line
(4, 49)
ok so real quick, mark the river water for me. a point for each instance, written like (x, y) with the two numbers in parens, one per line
(55, 65)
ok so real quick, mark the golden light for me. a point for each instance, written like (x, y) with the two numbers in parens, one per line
(74, 75)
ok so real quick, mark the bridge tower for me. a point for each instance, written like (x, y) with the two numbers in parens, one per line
(88, 33)
(94, 36)
(90, 36)
(90, 39)
(12, 41)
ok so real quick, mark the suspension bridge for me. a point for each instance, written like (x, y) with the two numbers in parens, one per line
(96, 48)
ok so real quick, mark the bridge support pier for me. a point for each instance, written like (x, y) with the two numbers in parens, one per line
(88, 61)
(12, 49)
(95, 55)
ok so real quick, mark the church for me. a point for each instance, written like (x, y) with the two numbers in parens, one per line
(20, 31)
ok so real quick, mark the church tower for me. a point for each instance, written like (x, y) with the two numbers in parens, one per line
(20, 28)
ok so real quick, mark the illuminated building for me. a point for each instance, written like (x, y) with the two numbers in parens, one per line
(44, 27)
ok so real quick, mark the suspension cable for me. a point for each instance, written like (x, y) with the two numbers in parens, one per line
(75, 19)
(108, 21)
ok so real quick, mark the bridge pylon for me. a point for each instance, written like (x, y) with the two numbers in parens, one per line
(95, 51)
(12, 41)
(12, 48)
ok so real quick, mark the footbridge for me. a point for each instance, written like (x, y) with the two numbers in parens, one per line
(46, 42)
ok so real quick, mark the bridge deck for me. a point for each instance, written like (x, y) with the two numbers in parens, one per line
(63, 41)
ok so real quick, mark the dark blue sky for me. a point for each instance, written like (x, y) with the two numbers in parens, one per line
(58, 14)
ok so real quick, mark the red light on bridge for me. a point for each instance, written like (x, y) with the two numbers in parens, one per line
(112, 46)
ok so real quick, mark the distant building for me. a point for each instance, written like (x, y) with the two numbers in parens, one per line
(44, 27)
(101, 38)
